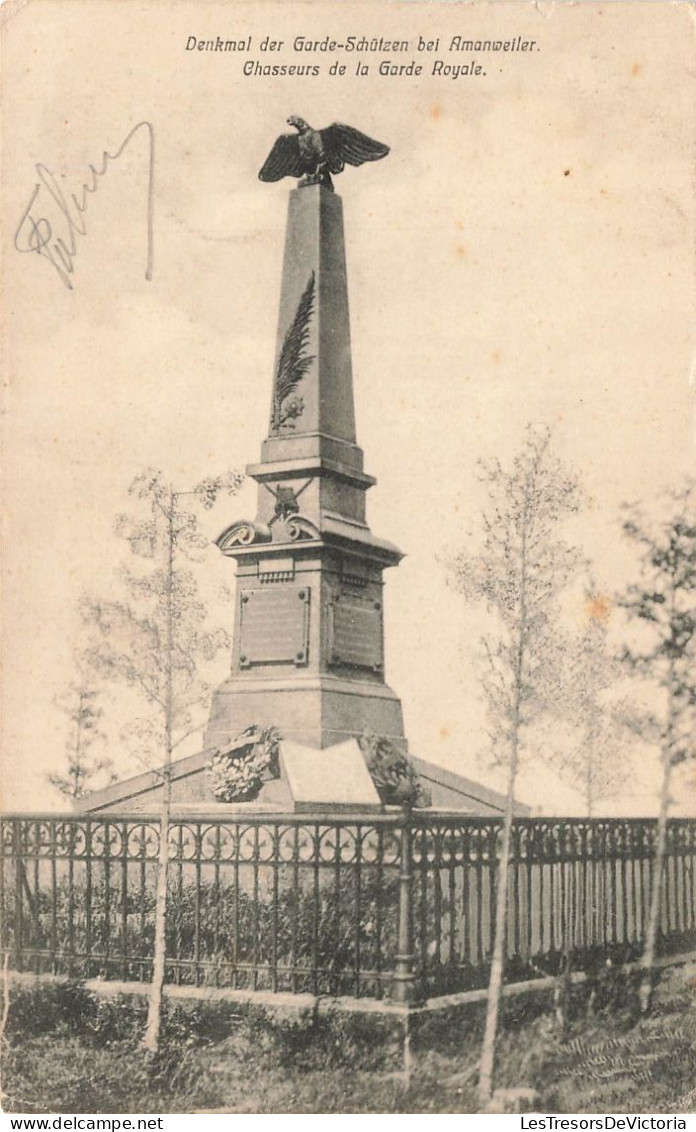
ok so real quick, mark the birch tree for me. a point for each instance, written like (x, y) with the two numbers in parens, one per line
(518, 572)
(591, 763)
(155, 641)
(83, 767)
(661, 608)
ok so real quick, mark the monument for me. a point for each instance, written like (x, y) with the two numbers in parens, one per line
(308, 664)
(309, 626)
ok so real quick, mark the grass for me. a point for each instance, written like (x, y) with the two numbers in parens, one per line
(67, 1051)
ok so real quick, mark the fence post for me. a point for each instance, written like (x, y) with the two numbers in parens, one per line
(404, 978)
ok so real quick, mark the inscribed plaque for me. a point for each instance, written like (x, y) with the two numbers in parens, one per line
(355, 634)
(274, 626)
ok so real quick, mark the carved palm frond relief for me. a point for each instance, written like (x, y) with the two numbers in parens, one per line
(294, 361)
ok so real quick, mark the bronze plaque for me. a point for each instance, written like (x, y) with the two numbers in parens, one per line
(274, 626)
(355, 634)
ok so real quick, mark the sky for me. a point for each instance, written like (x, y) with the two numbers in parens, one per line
(525, 253)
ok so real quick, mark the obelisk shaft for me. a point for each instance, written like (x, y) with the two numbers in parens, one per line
(308, 654)
(315, 262)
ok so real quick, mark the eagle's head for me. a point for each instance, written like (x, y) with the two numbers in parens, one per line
(298, 123)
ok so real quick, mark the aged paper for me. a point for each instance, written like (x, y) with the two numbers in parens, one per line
(524, 254)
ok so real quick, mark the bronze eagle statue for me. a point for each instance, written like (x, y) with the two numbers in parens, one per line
(314, 155)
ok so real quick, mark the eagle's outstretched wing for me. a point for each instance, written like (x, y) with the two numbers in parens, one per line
(284, 160)
(345, 145)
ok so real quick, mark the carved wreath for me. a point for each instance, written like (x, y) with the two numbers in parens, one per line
(293, 362)
(392, 772)
(238, 771)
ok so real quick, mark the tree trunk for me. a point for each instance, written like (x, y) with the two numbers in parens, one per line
(495, 984)
(647, 961)
(154, 1005)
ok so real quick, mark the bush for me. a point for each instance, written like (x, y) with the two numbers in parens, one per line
(64, 1007)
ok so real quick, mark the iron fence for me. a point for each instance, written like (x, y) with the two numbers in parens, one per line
(395, 904)
(578, 893)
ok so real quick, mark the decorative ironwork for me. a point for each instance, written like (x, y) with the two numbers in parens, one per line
(400, 903)
(107, 840)
(143, 842)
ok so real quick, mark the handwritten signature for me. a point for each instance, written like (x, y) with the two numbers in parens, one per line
(36, 233)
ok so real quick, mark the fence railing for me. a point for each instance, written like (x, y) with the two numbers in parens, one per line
(396, 905)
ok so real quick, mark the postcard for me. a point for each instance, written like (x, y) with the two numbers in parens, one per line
(348, 552)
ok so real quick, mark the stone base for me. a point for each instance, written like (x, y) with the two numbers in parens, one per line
(335, 778)
(317, 712)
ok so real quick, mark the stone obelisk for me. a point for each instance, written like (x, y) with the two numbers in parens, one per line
(308, 654)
